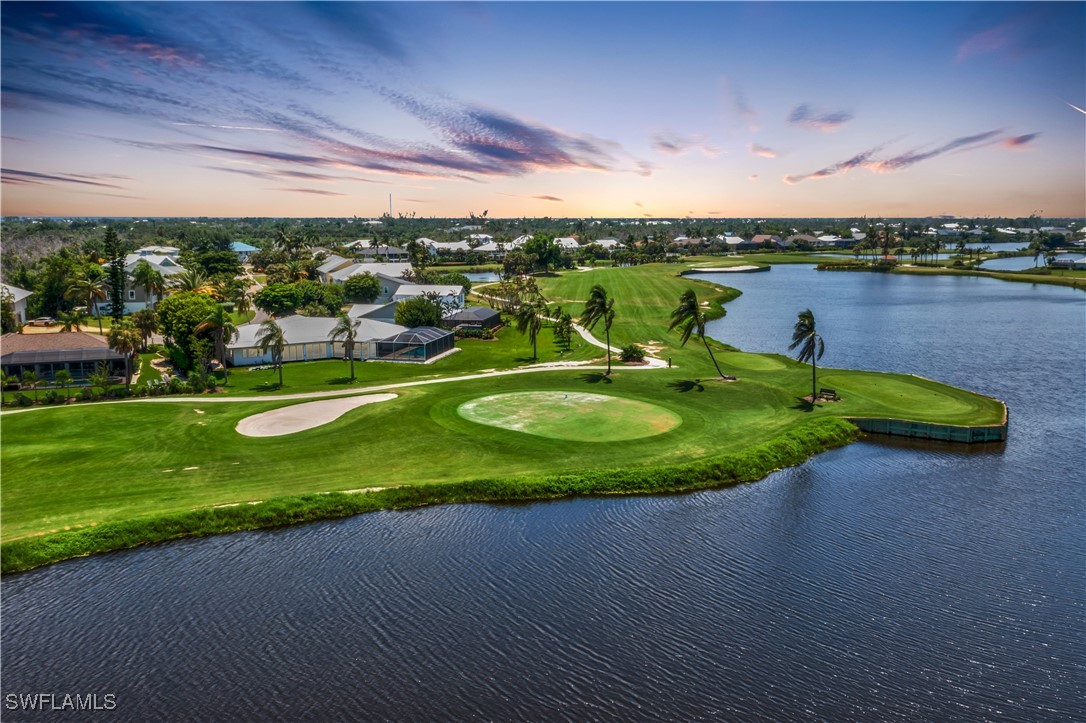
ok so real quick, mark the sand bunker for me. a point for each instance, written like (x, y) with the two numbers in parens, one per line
(299, 417)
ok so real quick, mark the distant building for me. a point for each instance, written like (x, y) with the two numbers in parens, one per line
(243, 250)
(136, 297)
(18, 300)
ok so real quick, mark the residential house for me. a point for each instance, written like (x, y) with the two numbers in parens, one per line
(18, 299)
(308, 339)
(474, 317)
(136, 297)
(389, 274)
(243, 250)
(567, 243)
(763, 238)
(383, 253)
(171, 251)
(79, 353)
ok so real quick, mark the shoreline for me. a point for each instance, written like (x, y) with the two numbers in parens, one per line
(788, 449)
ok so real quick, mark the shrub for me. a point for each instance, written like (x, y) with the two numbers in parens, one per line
(23, 400)
(197, 384)
(632, 353)
(53, 397)
(86, 394)
(176, 386)
(471, 333)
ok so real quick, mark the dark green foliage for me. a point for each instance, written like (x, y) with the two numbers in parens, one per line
(178, 316)
(277, 299)
(362, 288)
(632, 353)
(214, 263)
(117, 273)
(418, 311)
(791, 448)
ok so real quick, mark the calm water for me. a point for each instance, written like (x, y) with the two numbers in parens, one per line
(875, 582)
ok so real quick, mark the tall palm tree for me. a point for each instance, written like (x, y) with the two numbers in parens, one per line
(223, 330)
(346, 329)
(89, 289)
(270, 338)
(530, 319)
(150, 279)
(125, 338)
(689, 317)
(598, 307)
(811, 346)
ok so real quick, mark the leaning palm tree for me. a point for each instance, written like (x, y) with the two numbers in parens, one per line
(270, 338)
(91, 290)
(346, 329)
(598, 307)
(810, 344)
(125, 339)
(530, 319)
(689, 318)
(222, 328)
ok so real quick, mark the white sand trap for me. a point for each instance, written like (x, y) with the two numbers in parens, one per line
(300, 417)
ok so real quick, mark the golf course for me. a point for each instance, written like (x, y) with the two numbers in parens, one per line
(488, 423)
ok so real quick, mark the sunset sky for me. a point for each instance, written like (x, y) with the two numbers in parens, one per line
(544, 109)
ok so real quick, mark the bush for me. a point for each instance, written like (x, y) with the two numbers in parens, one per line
(471, 333)
(86, 394)
(197, 384)
(176, 386)
(23, 400)
(53, 397)
(632, 353)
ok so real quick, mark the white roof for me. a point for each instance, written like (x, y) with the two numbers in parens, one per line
(162, 264)
(735, 240)
(450, 246)
(389, 270)
(17, 294)
(358, 243)
(481, 237)
(521, 240)
(492, 247)
(331, 264)
(411, 290)
(372, 310)
(567, 242)
(312, 329)
(157, 251)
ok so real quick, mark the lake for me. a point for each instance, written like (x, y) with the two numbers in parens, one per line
(886, 580)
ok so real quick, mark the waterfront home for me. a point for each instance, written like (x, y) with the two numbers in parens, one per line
(492, 250)
(1067, 261)
(77, 352)
(18, 300)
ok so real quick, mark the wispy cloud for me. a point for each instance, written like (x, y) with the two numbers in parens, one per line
(845, 166)
(911, 158)
(763, 151)
(752, 177)
(314, 191)
(736, 100)
(1080, 110)
(11, 175)
(810, 117)
(1019, 142)
(869, 160)
(549, 198)
(672, 143)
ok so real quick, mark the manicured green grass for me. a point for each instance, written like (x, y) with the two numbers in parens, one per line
(148, 373)
(140, 469)
(575, 416)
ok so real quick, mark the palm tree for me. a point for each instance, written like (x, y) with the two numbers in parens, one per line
(146, 320)
(810, 344)
(64, 378)
(222, 328)
(71, 320)
(241, 298)
(125, 338)
(530, 319)
(599, 307)
(100, 377)
(32, 379)
(346, 329)
(149, 278)
(689, 317)
(270, 338)
(191, 280)
(91, 290)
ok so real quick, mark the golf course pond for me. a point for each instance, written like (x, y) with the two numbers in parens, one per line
(884, 580)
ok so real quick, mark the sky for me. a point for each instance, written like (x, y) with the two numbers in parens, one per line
(709, 109)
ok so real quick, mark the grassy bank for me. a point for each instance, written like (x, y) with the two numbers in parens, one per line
(754, 463)
(85, 479)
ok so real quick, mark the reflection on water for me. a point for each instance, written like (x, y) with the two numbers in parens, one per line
(880, 581)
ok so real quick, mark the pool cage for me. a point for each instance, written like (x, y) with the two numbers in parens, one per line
(418, 344)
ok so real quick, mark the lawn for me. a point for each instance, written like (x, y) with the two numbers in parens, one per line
(155, 462)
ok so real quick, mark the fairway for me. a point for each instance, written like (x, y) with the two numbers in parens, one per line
(571, 415)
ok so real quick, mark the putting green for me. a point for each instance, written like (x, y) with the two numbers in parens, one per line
(571, 415)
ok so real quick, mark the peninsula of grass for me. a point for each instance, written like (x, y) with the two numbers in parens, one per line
(78, 480)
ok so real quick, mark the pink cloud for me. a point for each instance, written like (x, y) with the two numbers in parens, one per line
(762, 151)
(1019, 142)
